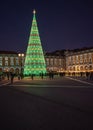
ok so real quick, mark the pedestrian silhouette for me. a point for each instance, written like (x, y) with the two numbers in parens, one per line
(42, 75)
(32, 76)
(12, 77)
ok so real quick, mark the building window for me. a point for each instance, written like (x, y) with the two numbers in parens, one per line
(17, 61)
(12, 60)
(77, 61)
(22, 60)
(85, 58)
(51, 61)
(73, 59)
(67, 63)
(0, 61)
(55, 61)
(90, 58)
(6, 61)
(47, 61)
(69, 60)
(60, 62)
(81, 59)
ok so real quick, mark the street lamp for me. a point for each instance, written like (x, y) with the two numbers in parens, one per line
(21, 55)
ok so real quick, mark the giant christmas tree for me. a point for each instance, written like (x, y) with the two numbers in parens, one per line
(34, 60)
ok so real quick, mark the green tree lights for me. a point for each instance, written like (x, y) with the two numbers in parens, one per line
(34, 60)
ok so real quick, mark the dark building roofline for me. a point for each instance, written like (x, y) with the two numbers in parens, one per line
(56, 53)
(80, 49)
(8, 52)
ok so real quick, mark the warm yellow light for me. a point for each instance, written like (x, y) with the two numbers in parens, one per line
(19, 54)
(23, 55)
(34, 11)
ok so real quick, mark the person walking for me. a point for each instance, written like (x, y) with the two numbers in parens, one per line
(19, 77)
(42, 75)
(12, 78)
(32, 76)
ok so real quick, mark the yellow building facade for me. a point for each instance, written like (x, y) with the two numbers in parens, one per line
(74, 61)
(11, 62)
(79, 61)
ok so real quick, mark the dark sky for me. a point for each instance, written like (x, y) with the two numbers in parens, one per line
(62, 24)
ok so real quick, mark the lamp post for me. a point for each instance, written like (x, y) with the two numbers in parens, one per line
(21, 55)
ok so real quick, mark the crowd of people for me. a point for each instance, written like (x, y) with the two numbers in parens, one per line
(89, 75)
(10, 76)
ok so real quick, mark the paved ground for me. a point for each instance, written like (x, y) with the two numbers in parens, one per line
(61, 103)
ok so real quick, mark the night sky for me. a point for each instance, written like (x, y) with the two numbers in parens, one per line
(62, 24)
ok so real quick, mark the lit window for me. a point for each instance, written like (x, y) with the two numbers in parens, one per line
(77, 59)
(47, 61)
(0, 61)
(6, 61)
(51, 61)
(17, 62)
(90, 57)
(55, 61)
(85, 58)
(12, 60)
(81, 58)
(59, 61)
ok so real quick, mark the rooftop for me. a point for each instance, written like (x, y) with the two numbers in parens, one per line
(8, 52)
